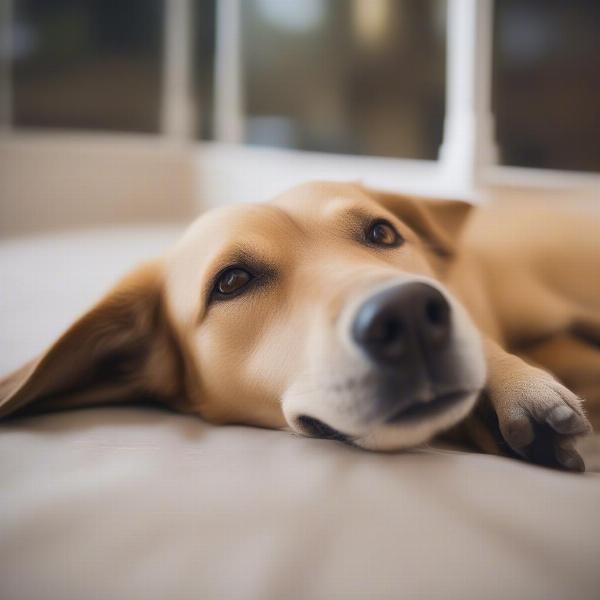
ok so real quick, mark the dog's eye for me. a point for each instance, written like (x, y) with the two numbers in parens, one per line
(382, 233)
(232, 280)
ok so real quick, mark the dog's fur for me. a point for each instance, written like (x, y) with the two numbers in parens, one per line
(523, 286)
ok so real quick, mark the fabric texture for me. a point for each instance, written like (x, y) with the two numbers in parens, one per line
(128, 503)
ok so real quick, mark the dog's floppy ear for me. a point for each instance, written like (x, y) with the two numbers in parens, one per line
(119, 351)
(438, 222)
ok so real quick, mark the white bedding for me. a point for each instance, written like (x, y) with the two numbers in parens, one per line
(137, 503)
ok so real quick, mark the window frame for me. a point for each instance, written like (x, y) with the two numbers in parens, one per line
(225, 171)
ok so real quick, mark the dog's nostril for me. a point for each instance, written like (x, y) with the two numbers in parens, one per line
(436, 312)
(436, 321)
(317, 428)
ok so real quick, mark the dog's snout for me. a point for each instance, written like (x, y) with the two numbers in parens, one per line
(403, 322)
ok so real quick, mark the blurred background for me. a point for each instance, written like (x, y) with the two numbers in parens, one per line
(145, 110)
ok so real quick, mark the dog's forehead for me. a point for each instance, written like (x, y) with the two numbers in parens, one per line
(310, 202)
(223, 225)
(321, 199)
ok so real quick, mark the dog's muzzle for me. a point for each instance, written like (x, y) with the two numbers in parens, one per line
(421, 364)
(405, 332)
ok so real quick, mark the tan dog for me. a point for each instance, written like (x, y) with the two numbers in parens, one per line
(341, 312)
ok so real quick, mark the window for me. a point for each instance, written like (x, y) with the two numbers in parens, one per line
(547, 83)
(350, 77)
(439, 97)
(89, 64)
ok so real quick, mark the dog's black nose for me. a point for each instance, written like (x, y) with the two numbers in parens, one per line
(403, 324)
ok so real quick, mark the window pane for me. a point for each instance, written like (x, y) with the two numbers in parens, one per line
(204, 61)
(547, 83)
(348, 76)
(93, 64)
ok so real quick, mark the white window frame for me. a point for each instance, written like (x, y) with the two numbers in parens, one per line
(206, 174)
(467, 166)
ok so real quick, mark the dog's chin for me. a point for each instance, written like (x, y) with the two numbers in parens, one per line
(406, 429)
(414, 428)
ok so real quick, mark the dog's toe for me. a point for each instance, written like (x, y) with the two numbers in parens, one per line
(553, 450)
(567, 456)
(517, 430)
(565, 420)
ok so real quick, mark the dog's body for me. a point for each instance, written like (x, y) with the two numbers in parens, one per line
(530, 275)
(341, 312)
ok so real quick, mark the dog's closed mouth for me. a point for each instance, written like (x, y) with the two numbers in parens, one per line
(316, 428)
(417, 412)
(424, 410)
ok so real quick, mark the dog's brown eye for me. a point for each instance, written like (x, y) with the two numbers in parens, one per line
(232, 280)
(382, 233)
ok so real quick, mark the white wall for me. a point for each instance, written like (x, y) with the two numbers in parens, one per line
(60, 181)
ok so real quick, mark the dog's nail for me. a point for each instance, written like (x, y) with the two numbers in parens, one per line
(570, 460)
(564, 419)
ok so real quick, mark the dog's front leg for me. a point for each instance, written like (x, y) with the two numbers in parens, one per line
(538, 417)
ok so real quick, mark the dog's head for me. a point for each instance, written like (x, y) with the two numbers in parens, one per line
(322, 311)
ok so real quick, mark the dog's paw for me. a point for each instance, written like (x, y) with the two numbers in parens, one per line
(540, 420)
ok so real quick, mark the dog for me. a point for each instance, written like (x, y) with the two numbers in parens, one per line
(379, 319)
